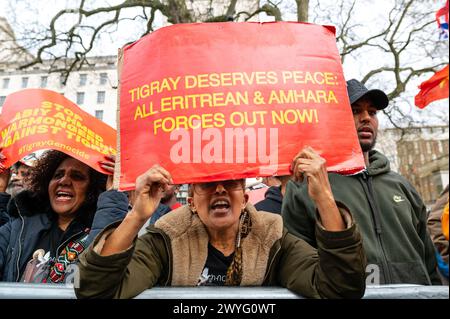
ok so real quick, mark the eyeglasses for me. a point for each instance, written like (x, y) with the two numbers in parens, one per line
(210, 188)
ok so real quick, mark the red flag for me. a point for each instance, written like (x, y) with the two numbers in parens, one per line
(433, 89)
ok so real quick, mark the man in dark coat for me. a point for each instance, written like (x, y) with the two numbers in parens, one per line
(387, 209)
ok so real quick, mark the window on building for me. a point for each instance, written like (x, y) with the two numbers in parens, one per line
(429, 147)
(44, 80)
(5, 83)
(410, 159)
(99, 114)
(24, 82)
(103, 78)
(2, 100)
(80, 98)
(83, 79)
(441, 149)
(403, 149)
(100, 97)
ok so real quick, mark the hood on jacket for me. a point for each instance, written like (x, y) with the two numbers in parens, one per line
(379, 164)
(274, 193)
(29, 204)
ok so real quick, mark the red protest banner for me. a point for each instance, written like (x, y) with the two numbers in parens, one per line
(36, 119)
(223, 101)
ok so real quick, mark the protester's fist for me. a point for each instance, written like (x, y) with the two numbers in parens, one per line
(108, 165)
(150, 188)
(5, 174)
(310, 165)
(2, 158)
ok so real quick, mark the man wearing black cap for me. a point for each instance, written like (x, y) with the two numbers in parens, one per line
(365, 105)
(386, 207)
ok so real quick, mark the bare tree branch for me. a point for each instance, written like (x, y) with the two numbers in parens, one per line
(393, 52)
(405, 36)
(268, 8)
(176, 11)
(231, 8)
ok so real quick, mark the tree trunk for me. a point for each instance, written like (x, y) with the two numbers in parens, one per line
(231, 8)
(302, 10)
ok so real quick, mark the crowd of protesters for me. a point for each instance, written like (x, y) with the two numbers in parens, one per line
(315, 233)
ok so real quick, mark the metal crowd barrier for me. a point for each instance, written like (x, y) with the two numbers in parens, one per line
(45, 291)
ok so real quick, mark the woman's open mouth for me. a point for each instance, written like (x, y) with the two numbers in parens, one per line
(220, 206)
(63, 196)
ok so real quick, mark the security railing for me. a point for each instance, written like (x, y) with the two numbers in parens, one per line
(46, 291)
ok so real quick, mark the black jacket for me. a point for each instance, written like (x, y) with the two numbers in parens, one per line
(272, 201)
(29, 219)
(4, 199)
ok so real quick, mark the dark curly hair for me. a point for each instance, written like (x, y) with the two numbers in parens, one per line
(42, 174)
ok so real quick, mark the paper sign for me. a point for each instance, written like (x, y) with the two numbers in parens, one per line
(36, 119)
(220, 101)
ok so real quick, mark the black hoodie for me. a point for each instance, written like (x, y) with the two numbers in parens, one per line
(272, 201)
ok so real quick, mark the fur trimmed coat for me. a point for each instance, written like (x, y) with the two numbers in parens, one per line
(173, 252)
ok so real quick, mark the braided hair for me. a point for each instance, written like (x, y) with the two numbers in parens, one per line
(234, 271)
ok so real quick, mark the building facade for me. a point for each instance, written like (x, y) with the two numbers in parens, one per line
(421, 155)
(92, 88)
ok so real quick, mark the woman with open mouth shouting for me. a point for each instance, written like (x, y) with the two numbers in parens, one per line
(49, 223)
(220, 239)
